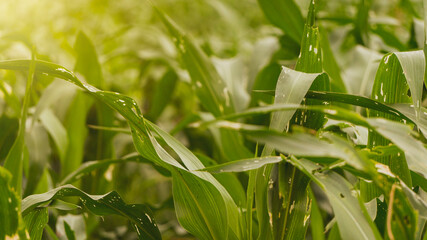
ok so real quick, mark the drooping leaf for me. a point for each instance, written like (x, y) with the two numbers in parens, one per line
(144, 140)
(353, 224)
(191, 162)
(111, 203)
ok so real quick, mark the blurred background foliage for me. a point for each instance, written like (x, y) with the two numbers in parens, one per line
(136, 57)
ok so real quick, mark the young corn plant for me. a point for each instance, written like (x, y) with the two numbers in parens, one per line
(297, 150)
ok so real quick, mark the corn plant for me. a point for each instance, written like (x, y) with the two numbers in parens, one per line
(313, 128)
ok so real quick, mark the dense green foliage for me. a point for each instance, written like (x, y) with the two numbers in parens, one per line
(252, 119)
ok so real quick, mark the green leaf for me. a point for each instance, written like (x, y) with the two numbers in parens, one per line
(15, 159)
(88, 167)
(10, 128)
(356, 100)
(413, 66)
(69, 232)
(71, 226)
(87, 61)
(9, 205)
(290, 89)
(144, 141)
(39, 151)
(316, 219)
(401, 135)
(56, 131)
(199, 207)
(410, 112)
(331, 111)
(77, 132)
(286, 15)
(306, 145)
(35, 222)
(87, 64)
(353, 224)
(192, 163)
(232, 71)
(389, 37)
(211, 89)
(242, 165)
(111, 203)
(361, 22)
(406, 69)
(290, 204)
(209, 86)
(330, 65)
(162, 94)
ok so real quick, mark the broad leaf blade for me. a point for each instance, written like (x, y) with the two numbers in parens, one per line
(110, 203)
(35, 222)
(199, 207)
(352, 222)
(9, 206)
(400, 135)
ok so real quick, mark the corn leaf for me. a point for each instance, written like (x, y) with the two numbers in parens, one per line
(162, 94)
(88, 167)
(15, 158)
(56, 130)
(35, 222)
(146, 143)
(406, 69)
(211, 89)
(401, 135)
(197, 204)
(9, 206)
(242, 165)
(352, 223)
(110, 203)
